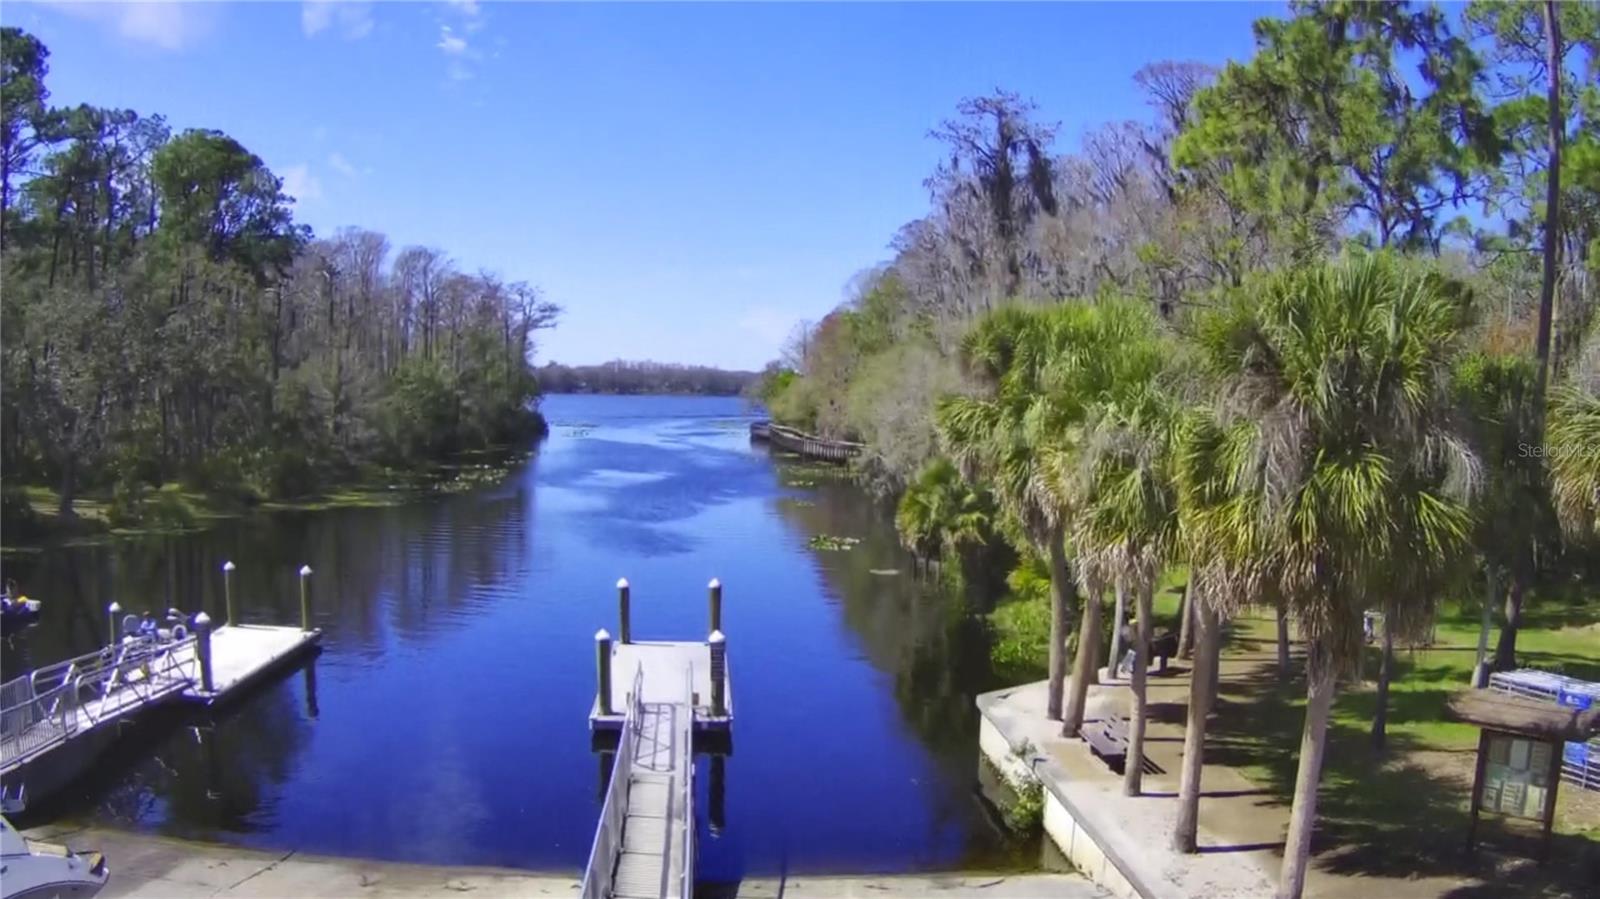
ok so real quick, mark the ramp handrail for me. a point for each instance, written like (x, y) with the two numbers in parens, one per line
(47, 706)
(686, 745)
(598, 873)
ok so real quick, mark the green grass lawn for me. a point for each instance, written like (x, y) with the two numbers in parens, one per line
(1400, 812)
(1404, 811)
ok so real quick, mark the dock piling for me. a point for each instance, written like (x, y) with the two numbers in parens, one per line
(112, 611)
(305, 597)
(625, 630)
(227, 592)
(602, 657)
(716, 604)
(202, 650)
(719, 669)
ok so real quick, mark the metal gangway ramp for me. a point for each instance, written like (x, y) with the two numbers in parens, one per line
(644, 844)
(48, 707)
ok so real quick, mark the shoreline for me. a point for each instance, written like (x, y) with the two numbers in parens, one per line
(150, 866)
(208, 509)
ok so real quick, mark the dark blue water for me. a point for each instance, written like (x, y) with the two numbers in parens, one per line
(446, 719)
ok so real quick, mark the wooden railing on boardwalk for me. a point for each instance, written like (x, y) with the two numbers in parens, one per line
(807, 445)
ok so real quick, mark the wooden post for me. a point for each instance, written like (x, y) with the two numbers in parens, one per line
(719, 671)
(602, 660)
(1477, 788)
(625, 631)
(112, 611)
(305, 597)
(716, 604)
(202, 649)
(1554, 781)
(227, 592)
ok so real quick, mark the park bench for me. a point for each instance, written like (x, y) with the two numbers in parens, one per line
(1108, 739)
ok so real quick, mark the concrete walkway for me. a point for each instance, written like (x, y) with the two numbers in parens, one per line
(153, 867)
(1242, 823)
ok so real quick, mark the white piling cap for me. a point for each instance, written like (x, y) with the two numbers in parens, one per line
(202, 620)
(622, 583)
(716, 637)
(227, 566)
(601, 634)
(715, 584)
(115, 607)
(305, 570)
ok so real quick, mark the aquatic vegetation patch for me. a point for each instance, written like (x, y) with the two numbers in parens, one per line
(833, 543)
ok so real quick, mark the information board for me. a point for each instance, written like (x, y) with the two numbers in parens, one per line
(1516, 779)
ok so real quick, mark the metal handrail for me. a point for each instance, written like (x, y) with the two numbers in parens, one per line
(686, 735)
(47, 706)
(598, 873)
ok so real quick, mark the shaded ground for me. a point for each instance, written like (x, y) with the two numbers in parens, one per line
(1403, 813)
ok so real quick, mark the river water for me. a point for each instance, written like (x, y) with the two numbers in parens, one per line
(445, 720)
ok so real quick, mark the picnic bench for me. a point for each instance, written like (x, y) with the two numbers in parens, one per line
(1108, 740)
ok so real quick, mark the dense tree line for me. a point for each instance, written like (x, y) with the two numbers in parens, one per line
(620, 376)
(165, 318)
(1322, 330)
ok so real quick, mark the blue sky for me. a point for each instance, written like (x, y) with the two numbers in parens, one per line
(688, 181)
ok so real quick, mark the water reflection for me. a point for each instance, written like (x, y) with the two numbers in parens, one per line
(445, 719)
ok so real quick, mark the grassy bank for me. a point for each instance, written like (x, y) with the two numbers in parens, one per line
(178, 508)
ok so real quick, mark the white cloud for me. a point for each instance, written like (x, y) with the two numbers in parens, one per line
(338, 163)
(169, 26)
(459, 71)
(450, 42)
(298, 182)
(468, 8)
(354, 20)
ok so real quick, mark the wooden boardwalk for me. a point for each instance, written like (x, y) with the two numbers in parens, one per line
(809, 446)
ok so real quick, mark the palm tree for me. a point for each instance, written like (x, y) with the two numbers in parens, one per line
(1128, 520)
(1221, 484)
(1494, 393)
(1005, 433)
(1575, 460)
(1342, 463)
(1110, 369)
(940, 515)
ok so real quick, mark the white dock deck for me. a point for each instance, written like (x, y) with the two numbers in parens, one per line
(666, 665)
(242, 653)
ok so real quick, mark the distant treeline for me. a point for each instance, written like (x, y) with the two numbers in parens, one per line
(643, 377)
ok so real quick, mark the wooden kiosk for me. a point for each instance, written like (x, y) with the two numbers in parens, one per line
(1519, 754)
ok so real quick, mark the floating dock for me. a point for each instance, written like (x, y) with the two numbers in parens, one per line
(656, 695)
(243, 654)
(666, 667)
(56, 720)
